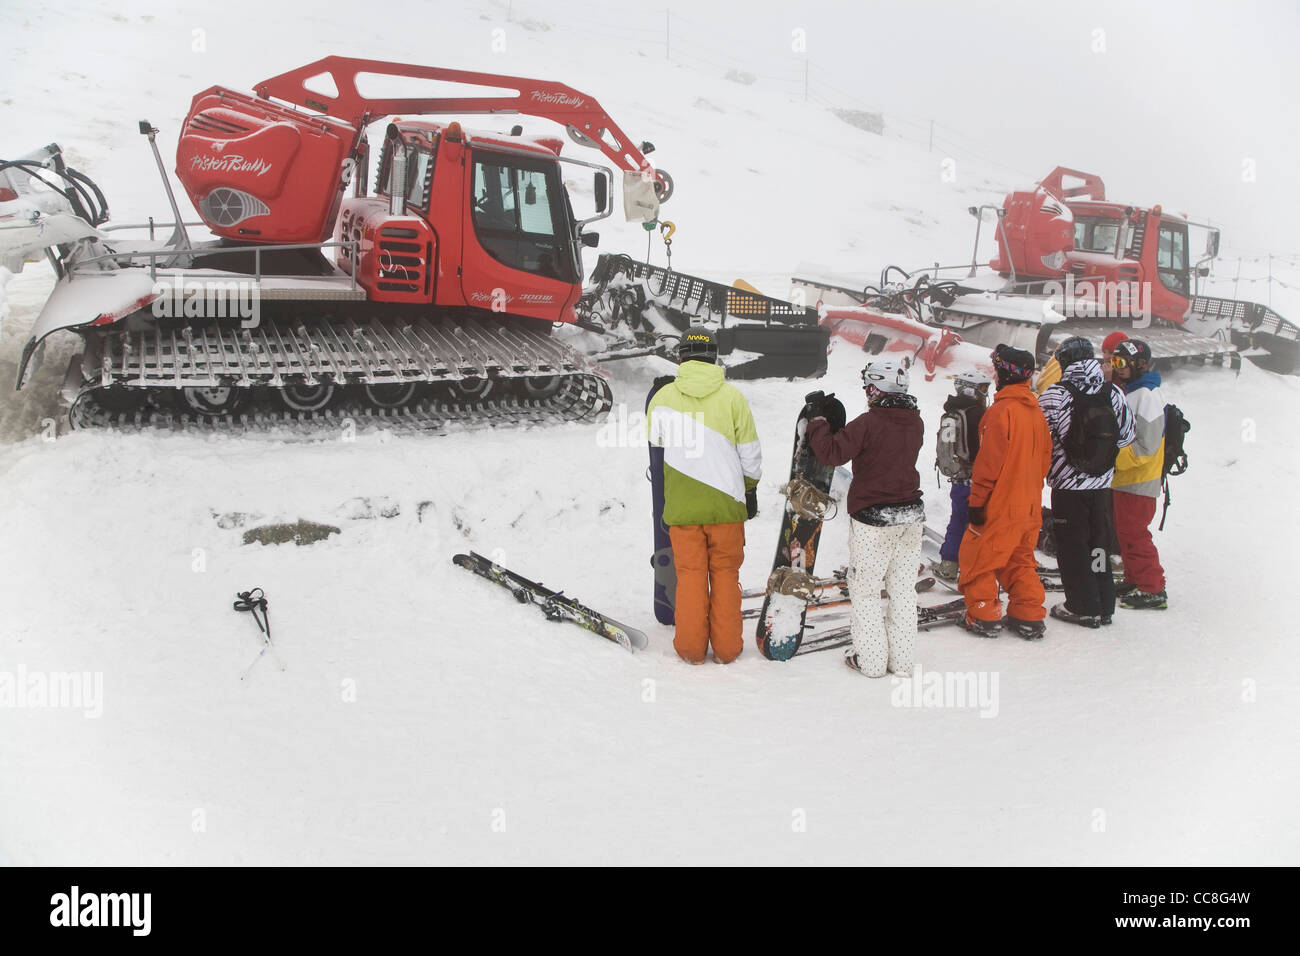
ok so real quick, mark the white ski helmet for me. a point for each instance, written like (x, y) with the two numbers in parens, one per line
(887, 375)
(973, 383)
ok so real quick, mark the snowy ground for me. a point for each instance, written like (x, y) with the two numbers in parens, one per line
(466, 704)
(421, 716)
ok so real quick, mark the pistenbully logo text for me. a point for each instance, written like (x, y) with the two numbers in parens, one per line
(557, 99)
(102, 909)
(230, 164)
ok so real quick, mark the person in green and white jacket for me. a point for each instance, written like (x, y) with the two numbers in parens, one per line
(712, 464)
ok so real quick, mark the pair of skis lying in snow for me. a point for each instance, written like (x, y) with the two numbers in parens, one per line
(554, 604)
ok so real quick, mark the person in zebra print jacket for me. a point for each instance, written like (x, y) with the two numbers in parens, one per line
(1082, 513)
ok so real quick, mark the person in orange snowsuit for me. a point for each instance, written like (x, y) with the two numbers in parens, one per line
(1006, 496)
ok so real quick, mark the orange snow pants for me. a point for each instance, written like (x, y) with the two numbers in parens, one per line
(708, 559)
(1002, 553)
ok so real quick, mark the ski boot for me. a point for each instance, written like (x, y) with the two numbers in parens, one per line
(1124, 588)
(1145, 600)
(1029, 630)
(981, 628)
(947, 570)
(1063, 613)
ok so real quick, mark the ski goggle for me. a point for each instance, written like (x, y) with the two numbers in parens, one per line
(1118, 361)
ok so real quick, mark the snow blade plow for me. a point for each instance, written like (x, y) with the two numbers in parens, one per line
(759, 336)
(978, 318)
(875, 331)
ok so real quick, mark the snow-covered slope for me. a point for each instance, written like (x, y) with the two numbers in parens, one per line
(422, 716)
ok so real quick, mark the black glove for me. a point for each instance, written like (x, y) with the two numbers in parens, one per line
(751, 503)
(814, 405)
(833, 409)
(976, 513)
(821, 405)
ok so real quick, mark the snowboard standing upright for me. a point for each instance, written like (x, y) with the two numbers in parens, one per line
(665, 585)
(783, 618)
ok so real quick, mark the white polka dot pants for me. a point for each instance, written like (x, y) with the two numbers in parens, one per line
(884, 557)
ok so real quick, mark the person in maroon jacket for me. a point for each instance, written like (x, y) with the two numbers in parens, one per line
(885, 502)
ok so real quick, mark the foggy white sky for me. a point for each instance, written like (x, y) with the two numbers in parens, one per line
(1181, 96)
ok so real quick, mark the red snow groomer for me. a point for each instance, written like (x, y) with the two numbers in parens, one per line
(439, 292)
(1069, 262)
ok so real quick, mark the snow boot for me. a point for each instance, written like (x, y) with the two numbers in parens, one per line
(981, 628)
(1063, 613)
(947, 570)
(851, 661)
(1145, 600)
(1029, 630)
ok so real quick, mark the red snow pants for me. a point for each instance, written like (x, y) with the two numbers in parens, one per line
(1133, 517)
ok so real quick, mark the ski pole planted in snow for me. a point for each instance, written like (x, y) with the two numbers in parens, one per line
(254, 601)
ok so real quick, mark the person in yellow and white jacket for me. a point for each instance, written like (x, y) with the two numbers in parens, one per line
(1139, 470)
(712, 464)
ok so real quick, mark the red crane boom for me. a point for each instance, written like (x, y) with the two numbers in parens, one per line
(584, 118)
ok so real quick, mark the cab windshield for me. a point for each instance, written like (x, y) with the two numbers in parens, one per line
(519, 218)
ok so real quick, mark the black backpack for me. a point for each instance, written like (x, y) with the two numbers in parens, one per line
(1092, 442)
(1176, 428)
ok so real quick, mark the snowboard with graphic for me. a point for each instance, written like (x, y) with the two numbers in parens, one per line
(783, 618)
